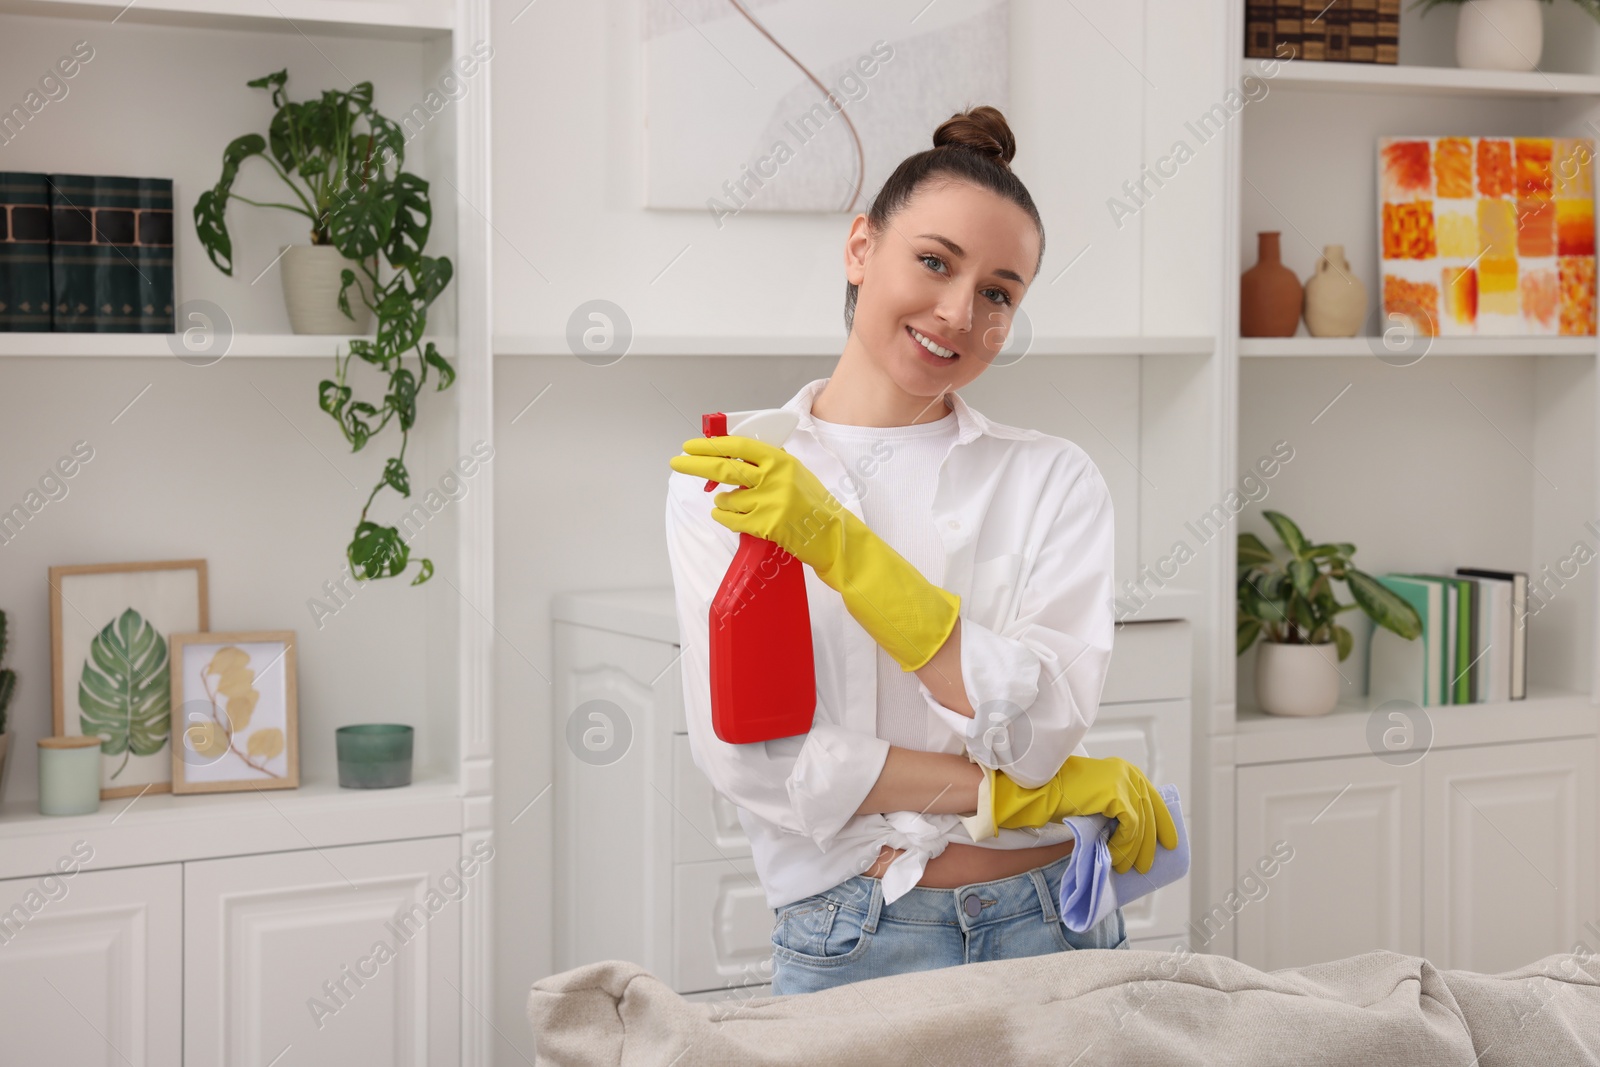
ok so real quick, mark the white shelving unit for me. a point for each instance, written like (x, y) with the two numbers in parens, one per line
(342, 862)
(1427, 460)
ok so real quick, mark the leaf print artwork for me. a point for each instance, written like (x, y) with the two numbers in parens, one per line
(124, 694)
(229, 683)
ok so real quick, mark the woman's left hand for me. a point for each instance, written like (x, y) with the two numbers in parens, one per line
(781, 500)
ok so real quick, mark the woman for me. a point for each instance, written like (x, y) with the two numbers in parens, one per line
(917, 824)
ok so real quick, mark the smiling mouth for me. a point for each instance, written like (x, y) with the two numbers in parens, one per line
(948, 354)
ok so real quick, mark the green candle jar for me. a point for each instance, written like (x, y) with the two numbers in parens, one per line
(69, 775)
(374, 755)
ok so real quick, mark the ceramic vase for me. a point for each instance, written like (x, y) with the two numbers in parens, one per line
(1269, 294)
(1297, 679)
(1336, 301)
(1500, 34)
(311, 280)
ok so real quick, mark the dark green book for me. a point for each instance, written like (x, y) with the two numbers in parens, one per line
(24, 252)
(111, 254)
(1462, 682)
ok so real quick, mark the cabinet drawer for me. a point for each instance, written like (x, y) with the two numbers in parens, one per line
(705, 825)
(722, 927)
(1149, 661)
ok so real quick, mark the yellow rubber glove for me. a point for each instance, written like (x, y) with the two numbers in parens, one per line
(784, 502)
(1083, 786)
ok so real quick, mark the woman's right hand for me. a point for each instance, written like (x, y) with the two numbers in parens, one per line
(1085, 786)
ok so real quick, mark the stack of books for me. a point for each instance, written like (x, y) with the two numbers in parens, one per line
(1474, 643)
(1343, 31)
(84, 253)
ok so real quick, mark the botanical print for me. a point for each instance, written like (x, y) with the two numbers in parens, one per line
(124, 694)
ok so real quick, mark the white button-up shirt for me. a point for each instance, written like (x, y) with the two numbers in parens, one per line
(1027, 525)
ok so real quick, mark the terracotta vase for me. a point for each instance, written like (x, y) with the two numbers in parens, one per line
(1269, 294)
(1336, 301)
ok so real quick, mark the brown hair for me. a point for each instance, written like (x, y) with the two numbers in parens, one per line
(974, 146)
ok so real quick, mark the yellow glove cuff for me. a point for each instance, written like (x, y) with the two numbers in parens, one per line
(981, 826)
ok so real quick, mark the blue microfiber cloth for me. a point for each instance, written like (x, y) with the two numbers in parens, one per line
(1091, 889)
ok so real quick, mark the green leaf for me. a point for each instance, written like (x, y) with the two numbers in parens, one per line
(275, 82)
(1383, 605)
(399, 327)
(377, 552)
(430, 275)
(124, 694)
(1293, 539)
(332, 397)
(1303, 573)
(402, 397)
(360, 224)
(397, 477)
(1252, 552)
(1344, 640)
(1247, 631)
(413, 217)
(424, 573)
(432, 358)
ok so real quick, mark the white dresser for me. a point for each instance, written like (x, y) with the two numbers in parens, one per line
(651, 863)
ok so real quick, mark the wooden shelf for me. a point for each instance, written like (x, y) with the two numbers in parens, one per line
(554, 345)
(1452, 81)
(255, 345)
(388, 19)
(163, 828)
(1546, 713)
(1371, 347)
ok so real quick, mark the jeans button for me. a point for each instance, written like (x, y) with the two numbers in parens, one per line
(971, 905)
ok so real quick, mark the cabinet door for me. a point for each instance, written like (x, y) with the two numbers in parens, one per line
(1510, 860)
(91, 967)
(344, 955)
(1354, 880)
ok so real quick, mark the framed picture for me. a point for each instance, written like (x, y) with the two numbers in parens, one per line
(108, 661)
(235, 717)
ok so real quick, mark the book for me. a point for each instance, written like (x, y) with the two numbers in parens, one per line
(1460, 650)
(1398, 669)
(1260, 29)
(1287, 15)
(24, 252)
(1386, 46)
(1313, 31)
(1494, 636)
(1336, 18)
(1363, 31)
(1518, 624)
(111, 254)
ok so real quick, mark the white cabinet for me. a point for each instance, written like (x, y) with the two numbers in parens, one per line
(1477, 857)
(342, 955)
(653, 866)
(1509, 856)
(91, 967)
(1354, 880)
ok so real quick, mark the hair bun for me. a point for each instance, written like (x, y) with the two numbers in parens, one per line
(981, 129)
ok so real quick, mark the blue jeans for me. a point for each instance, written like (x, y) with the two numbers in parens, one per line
(848, 934)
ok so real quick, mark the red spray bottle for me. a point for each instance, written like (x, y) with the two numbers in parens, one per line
(763, 676)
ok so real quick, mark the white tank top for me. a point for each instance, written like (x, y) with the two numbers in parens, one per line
(894, 472)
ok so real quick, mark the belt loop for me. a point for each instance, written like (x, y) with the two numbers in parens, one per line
(874, 906)
(1047, 900)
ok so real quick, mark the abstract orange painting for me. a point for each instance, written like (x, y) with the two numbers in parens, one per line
(1487, 235)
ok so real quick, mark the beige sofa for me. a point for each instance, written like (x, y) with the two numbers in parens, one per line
(1093, 1007)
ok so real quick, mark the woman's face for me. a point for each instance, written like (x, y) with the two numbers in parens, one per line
(952, 265)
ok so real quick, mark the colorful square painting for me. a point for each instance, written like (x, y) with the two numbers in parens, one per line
(1491, 236)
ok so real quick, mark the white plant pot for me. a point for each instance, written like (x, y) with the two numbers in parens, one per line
(1297, 679)
(311, 280)
(1500, 34)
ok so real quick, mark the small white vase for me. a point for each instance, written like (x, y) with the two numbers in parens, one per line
(311, 280)
(1297, 679)
(1500, 34)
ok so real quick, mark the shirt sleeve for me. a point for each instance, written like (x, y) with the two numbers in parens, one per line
(809, 785)
(1035, 682)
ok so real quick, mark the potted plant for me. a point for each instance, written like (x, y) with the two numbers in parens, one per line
(8, 686)
(1500, 34)
(1291, 606)
(363, 208)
